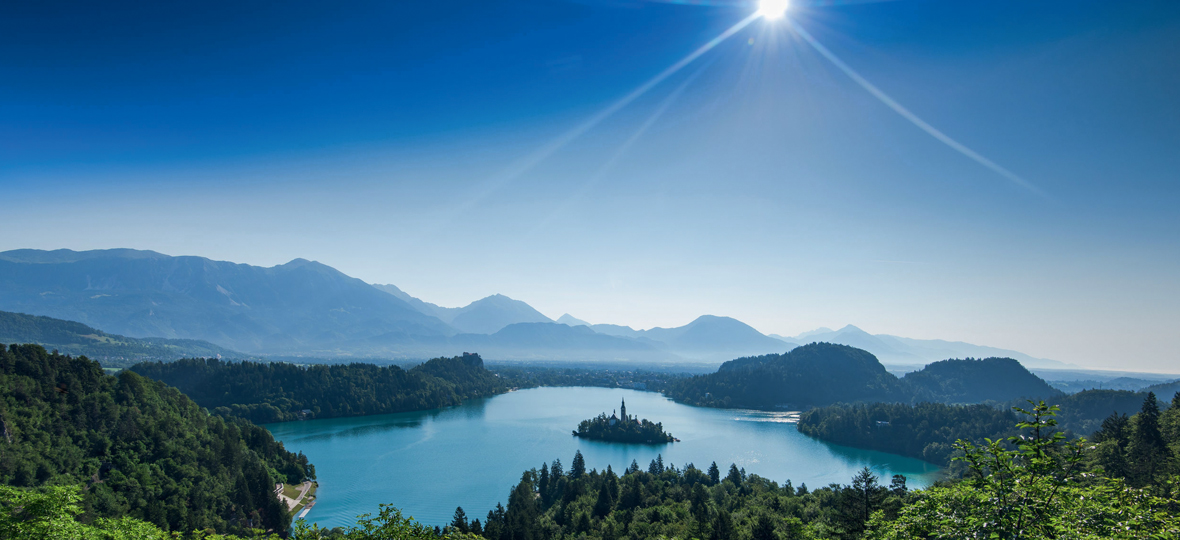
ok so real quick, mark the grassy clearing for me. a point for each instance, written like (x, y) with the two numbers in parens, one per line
(291, 490)
(307, 499)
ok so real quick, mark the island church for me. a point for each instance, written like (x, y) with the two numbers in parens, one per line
(622, 417)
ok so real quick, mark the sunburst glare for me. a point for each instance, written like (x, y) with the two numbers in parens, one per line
(773, 9)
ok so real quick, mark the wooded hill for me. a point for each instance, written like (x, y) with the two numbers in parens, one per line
(112, 350)
(138, 447)
(823, 373)
(279, 392)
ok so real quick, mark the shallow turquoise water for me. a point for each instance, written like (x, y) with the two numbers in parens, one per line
(429, 462)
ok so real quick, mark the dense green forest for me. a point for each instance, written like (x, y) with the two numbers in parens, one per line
(623, 428)
(821, 374)
(975, 381)
(77, 339)
(928, 431)
(135, 447)
(814, 374)
(925, 431)
(277, 392)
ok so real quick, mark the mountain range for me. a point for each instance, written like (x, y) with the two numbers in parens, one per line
(894, 350)
(305, 308)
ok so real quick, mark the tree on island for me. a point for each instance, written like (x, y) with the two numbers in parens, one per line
(623, 428)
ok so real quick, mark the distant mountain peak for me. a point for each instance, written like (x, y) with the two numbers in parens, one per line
(570, 320)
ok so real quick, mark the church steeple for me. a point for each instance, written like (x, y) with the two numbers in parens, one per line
(623, 410)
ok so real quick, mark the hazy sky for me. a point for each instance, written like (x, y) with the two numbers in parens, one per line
(416, 143)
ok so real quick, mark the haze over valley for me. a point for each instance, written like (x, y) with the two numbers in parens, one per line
(308, 309)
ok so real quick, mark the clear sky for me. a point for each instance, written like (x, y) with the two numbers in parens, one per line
(441, 147)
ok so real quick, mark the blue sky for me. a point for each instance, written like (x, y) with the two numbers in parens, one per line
(414, 143)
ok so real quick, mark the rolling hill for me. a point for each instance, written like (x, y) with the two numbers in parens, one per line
(819, 374)
(77, 339)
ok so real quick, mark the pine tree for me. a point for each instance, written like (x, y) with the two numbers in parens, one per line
(723, 526)
(1147, 450)
(459, 521)
(764, 528)
(714, 473)
(579, 467)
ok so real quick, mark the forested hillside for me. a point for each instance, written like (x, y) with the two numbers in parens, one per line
(929, 430)
(925, 431)
(278, 392)
(815, 374)
(77, 339)
(976, 381)
(820, 374)
(137, 447)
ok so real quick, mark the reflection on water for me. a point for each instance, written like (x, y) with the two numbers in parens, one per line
(429, 462)
(766, 416)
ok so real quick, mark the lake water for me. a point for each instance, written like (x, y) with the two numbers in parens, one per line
(429, 462)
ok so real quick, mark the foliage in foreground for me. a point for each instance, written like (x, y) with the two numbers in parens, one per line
(1041, 490)
(139, 448)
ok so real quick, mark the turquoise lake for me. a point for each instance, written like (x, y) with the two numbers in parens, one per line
(429, 462)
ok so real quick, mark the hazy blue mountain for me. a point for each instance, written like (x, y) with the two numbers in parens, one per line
(484, 316)
(804, 337)
(248, 308)
(490, 315)
(1165, 391)
(570, 320)
(112, 350)
(975, 381)
(708, 338)
(553, 341)
(442, 313)
(899, 350)
(617, 330)
(784, 339)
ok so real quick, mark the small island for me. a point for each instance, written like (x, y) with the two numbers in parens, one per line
(624, 429)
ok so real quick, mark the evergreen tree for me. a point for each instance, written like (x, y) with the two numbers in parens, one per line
(723, 526)
(459, 521)
(714, 474)
(605, 502)
(734, 475)
(579, 467)
(1147, 450)
(763, 529)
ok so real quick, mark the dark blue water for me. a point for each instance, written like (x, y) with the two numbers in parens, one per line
(429, 462)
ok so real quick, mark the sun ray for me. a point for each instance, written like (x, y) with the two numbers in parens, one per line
(908, 115)
(622, 150)
(532, 160)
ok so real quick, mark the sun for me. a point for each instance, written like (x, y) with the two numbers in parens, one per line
(773, 9)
